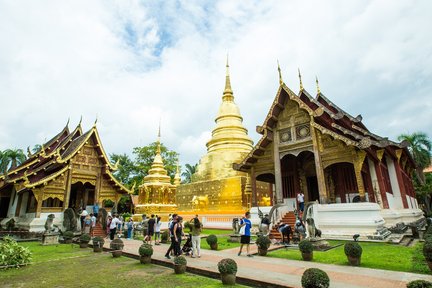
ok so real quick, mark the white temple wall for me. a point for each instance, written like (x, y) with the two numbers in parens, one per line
(397, 199)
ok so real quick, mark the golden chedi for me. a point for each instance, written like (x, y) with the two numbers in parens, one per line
(216, 187)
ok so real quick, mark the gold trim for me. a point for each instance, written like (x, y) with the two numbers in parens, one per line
(47, 179)
(380, 154)
(53, 195)
(398, 154)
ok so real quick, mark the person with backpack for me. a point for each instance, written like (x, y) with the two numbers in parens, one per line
(171, 232)
(245, 238)
(196, 228)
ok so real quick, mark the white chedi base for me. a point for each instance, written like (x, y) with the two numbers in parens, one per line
(406, 216)
(32, 224)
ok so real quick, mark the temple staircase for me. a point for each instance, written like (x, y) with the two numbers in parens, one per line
(99, 231)
(289, 218)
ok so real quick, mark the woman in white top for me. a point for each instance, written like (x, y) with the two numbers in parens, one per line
(157, 226)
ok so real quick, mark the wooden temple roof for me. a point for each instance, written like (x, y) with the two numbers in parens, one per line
(54, 159)
(328, 118)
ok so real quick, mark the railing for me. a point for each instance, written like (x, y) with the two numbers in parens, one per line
(277, 212)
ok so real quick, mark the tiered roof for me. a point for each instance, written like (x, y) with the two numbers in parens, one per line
(54, 159)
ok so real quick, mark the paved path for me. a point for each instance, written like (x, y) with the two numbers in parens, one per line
(287, 272)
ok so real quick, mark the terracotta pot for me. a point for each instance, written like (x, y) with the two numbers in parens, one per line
(117, 253)
(307, 256)
(262, 252)
(214, 246)
(97, 248)
(83, 244)
(179, 268)
(228, 279)
(145, 259)
(354, 261)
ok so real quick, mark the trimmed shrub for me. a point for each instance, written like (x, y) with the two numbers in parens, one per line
(145, 250)
(305, 246)
(68, 235)
(117, 244)
(211, 239)
(263, 242)
(85, 238)
(353, 249)
(164, 236)
(12, 254)
(419, 284)
(427, 250)
(180, 260)
(227, 266)
(315, 278)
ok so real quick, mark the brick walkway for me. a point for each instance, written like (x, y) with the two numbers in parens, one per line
(284, 272)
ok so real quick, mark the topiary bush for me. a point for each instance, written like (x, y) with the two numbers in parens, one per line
(211, 239)
(227, 266)
(263, 242)
(68, 235)
(315, 278)
(427, 250)
(180, 260)
(85, 238)
(305, 246)
(145, 250)
(353, 249)
(12, 254)
(117, 244)
(164, 236)
(419, 284)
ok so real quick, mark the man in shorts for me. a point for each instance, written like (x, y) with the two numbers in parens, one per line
(245, 239)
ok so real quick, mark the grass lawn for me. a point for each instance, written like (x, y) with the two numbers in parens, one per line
(215, 232)
(69, 266)
(222, 243)
(375, 255)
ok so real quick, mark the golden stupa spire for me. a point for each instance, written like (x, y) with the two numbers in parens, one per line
(228, 93)
(317, 84)
(280, 74)
(301, 83)
(158, 150)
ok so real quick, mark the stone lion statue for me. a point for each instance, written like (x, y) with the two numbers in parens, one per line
(236, 226)
(49, 223)
(312, 229)
(70, 220)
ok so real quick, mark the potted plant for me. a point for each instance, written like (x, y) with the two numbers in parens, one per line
(180, 264)
(98, 243)
(84, 240)
(117, 246)
(306, 249)
(419, 284)
(145, 251)
(353, 251)
(427, 252)
(212, 241)
(68, 236)
(314, 277)
(263, 243)
(164, 236)
(227, 268)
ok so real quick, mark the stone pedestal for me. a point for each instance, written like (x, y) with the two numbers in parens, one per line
(50, 238)
(234, 238)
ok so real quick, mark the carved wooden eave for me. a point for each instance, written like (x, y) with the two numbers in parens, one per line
(335, 135)
(46, 180)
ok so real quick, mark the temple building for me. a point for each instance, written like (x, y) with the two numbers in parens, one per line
(71, 170)
(217, 189)
(311, 145)
(156, 194)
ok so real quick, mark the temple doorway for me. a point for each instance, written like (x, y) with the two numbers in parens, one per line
(312, 187)
(342, 183)
(81, 195)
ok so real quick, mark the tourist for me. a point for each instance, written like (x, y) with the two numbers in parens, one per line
(150, 229)
(96, 210)
(265, 225)
(285, 231)
(158, 225)
(120, 225)
(108, 224)
(144, 225)
(300, 200)
(83, 215)
(93, 223)
(129, 226)
(196, 226)
(87, 224)
(178, 234)
(171, 231)
(300, 228)
(245, 239)
(113, 226)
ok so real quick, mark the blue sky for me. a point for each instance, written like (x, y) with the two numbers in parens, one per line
(134, 62)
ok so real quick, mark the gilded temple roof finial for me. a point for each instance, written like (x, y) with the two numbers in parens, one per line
(301, 83)
(67, 123)
(94, 125)
(158, 151)
(280, 74)
(79, 124)
(317, 84)
(227, 91)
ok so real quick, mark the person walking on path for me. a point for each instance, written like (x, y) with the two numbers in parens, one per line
(129, 226)
(196, 239)
(178, 234)
(150, 230)
(171, 232)
(158, 225)
(96, 210)
(300, 200)
(113, 226)
(144, 225)
(108, 224)
(245, 239)
(93, 223)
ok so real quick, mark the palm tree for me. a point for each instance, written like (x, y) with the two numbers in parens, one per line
(420, 147)
(15, 156)
(4, 162)
(190, 170)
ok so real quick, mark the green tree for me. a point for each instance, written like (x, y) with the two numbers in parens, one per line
(126, 168)
(15, 156)
(187, 174)
(420, 147)
(145, 156)
(4, 162)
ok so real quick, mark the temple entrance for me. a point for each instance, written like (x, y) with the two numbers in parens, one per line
(81, 195)
(312, 187)
(342, 183)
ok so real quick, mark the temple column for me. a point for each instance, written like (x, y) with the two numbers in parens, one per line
(68, 188)
(254, 191)
(277, 167)
(319, 168)
(359, 157)
(38, 196)
(394, 183)
(400, 179)
(375, 184)
(98, 187)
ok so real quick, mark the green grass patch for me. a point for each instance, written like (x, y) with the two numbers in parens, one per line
(216, 232)
(222, 243)
(57, 267)
(375, 255)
